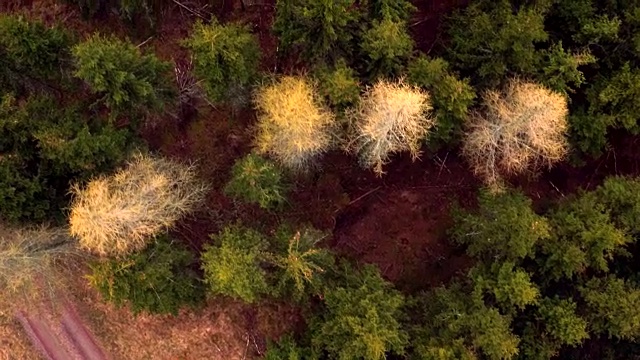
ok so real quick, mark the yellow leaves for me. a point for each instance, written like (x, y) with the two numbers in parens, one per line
(293, 126)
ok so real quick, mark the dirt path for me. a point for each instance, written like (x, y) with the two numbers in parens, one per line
(71, 340)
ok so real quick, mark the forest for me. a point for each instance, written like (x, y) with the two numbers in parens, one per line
(338, 179)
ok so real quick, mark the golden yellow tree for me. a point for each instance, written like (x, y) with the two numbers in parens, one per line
(118, 214)
(293, 125)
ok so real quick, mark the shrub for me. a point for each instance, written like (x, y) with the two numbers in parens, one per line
(388, 47)
(125, 78)
(361, 320)
(339, 85)
(302, 265)
(256, 180)
(321, 30)
(450, 95)
(522, 129)
(118, 214)
(29, 50)
(293, 126)
(505, 227)
(232, 266)
(156, 280)
(391, 117)
(226, 58)
(612, 306)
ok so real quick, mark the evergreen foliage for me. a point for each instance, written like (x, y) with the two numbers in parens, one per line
(30, 52)
(361, 320)
(232, 265)
(583, 236)
(451, 97)
(387, 46)
(505, 227)
(302, 265)
(320, 30)
(339, 85)
(226, 58)
(256, 180)
(157, 280)
(43, 148)
(612, 306)
(123, 77)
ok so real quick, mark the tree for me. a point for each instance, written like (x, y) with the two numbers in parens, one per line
(157, 280)
(302, 264)
(562, 322)
(338, 85)
(44, 147)
(256, 180)
(31, 52)
(494, 40)
(124, 77)
(394, 10)
(511, 286)
(293, 125)
(232, 264)
(583, 237)
(504, 227)
(121, 213)
(451, 97)
(522, 128)
(287, 349)
(321, 30)
(361, 320)
(490, 331)
(612, 306)
(390, 118)
(621, 196)
(226, 58)
(387, 46)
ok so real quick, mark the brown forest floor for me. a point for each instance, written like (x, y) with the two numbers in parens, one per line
(397, 222)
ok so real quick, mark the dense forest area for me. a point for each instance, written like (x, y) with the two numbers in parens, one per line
(428, 179)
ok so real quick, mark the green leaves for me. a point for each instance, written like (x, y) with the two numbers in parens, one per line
(303, 265)
(505, 227)
(387, 46)
(562, 322)
(451, 96)
(612, 306)
(321, 30)
(124, 77)
(583, 236)
(156, 280)
(361, 321)
(226, 58)
(256, 180)
(29, 50)
(233, 267)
